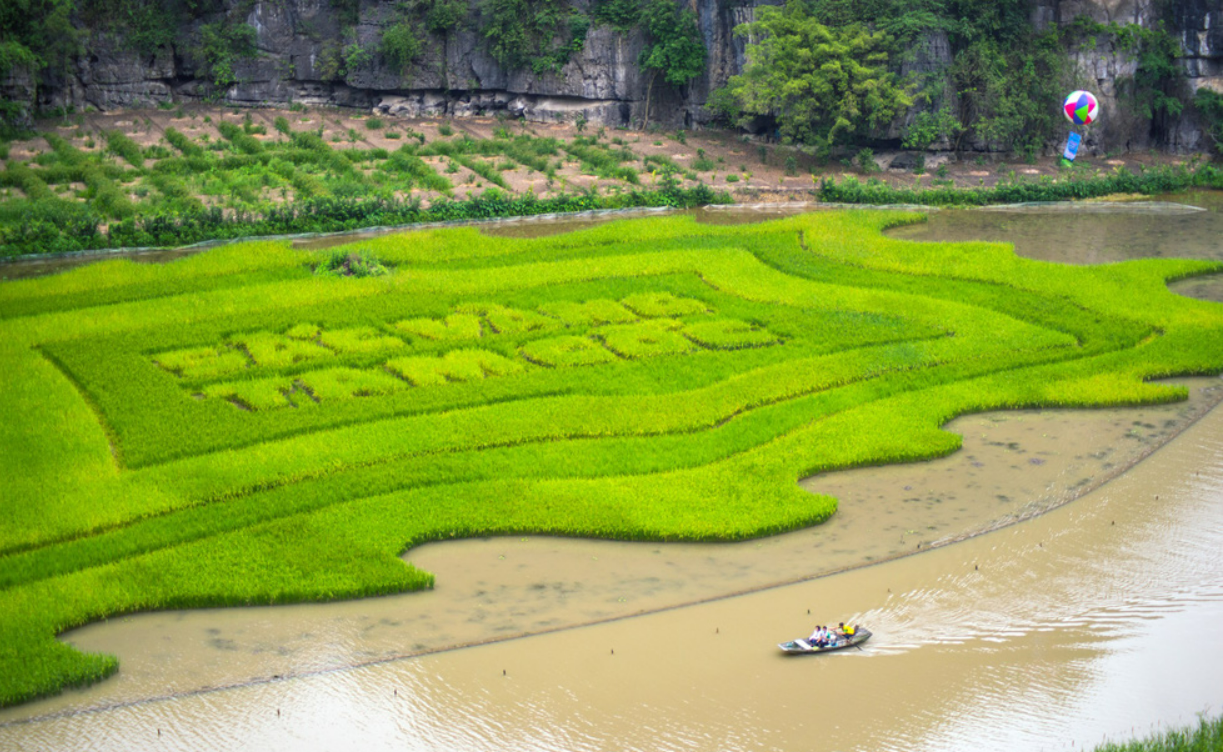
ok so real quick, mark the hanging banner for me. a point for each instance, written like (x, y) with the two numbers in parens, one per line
(1072, 147)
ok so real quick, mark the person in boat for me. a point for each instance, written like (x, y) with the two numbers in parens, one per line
(848, 631)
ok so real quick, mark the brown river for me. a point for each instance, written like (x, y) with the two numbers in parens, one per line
(1057, 582)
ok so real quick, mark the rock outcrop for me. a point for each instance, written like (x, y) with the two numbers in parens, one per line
(1104, 69)
(298, 60)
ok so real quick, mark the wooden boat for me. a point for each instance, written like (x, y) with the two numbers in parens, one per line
(802, 647)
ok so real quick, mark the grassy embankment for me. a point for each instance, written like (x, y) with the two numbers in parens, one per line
(235, 429)
(1077, 182)
(1206, 737)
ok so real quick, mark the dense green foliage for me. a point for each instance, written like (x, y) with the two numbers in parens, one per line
(400, 45)
(822, 85)
(235, 428)
(674, 48)
(403, 39)
(35, 35)
(538, 34)
(1157, 86)
(223, 43)
(1000, 89)
(1076, 185)
(1210, 104)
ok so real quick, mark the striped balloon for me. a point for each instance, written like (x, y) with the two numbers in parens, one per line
(1081, 107)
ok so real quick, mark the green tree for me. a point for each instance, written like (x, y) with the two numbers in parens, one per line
(221, 45)
(821, 85)
(928, 127)
(1009, 90)
(441, 16)
(404, 41)
(621, 15)
(144, 25)
(35, 35)
(400, 45)
(540, 34)
(1158, 85)
(1210, 105)
(675, 48)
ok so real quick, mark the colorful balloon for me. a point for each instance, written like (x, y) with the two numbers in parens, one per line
(1081, 107)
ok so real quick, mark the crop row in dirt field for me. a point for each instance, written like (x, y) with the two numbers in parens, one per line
(187, 174)
(143, 178)
(236, 428)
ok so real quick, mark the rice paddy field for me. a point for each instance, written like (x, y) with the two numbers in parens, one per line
(239, 428)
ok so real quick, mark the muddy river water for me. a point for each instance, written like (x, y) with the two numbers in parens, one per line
(1091, 619)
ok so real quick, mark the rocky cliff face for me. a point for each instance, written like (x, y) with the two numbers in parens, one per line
(457, 76)
(1197, 24)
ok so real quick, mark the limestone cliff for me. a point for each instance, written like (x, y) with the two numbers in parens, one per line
(455, 75)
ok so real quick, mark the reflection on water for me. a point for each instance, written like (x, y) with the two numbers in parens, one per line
(1077, 234)
(1096, 233)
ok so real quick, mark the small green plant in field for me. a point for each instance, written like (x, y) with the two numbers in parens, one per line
(445, 130)
(703, 163)
(356, 263)
(865, 160)
(374, 124)
(121, 144)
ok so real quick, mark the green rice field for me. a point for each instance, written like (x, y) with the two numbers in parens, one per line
(234, 428)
